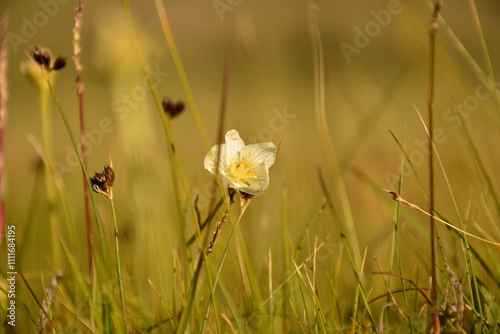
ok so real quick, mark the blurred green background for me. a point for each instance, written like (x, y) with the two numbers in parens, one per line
(271, 98)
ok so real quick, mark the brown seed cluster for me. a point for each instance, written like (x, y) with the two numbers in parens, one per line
(172, 108)
(43, 58)
(102, 181)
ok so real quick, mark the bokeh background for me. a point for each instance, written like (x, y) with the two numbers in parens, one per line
(380, 88)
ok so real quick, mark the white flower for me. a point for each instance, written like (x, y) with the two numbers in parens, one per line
(244, 168)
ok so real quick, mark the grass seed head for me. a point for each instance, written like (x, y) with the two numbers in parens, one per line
(171, 108)
(103, 181)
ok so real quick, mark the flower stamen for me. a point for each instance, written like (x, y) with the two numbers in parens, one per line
(240, 171)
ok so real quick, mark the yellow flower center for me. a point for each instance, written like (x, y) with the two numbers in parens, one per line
(240, 171)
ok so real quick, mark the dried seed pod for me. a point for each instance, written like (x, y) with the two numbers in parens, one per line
(41, 56)
(103, 181)
(110, 175)
(59, 63)
(171, 108)
(46, 58)
(99, 183)
(37, 55)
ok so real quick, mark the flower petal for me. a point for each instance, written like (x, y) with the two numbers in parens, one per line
(228, 152)
(210, 162)
(234, 144)
(260, 153)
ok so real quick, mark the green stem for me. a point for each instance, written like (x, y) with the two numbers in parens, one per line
(82, 165)
(167, 32)
(117, 251)
(47, 142)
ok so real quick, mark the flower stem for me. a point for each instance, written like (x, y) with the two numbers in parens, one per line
(432, 62)
(80, 88)
(244, 205)
(117, 251)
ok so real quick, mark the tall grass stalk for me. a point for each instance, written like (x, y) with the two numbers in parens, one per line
(349, 238)
(287, 256)
(80, 89)
(395, 257)
(432, 62)
(469, 255)
(82, 166)
(176, 168)
(117, 252)
(167, 32)
(484, 47)
(324, 132)
(96, 316)
(345, 242)
(47, 142)
(61, 191)
(212, 207)
(174, 158)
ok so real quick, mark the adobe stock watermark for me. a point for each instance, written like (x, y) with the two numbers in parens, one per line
(31, 25)
(454, 117)
(277, 123)
(363, 36)
(11, 275)
(223, 6)
(121, 107)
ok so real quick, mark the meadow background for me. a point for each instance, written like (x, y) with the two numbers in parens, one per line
(288, 269)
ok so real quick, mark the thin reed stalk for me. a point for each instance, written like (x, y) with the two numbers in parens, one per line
(193, 106)
(117, 252)
(176, 167)
(212, 206)
(82, 166)
(347, 232)
(47, 142)
(486, 54)
(324, 132)
(432, 63)
(80, 89)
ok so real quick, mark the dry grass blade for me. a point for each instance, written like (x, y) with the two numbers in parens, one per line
(409, 280)
(397, 198)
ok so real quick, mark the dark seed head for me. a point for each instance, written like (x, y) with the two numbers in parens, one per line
(59, 63)
(102, 181)
(46, 58)
(110, 175)
(99, 182)
(171, 108)
(41, 56)
(37, 55)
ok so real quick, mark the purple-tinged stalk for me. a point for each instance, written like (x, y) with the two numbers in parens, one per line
(432, 62)
(4, 98)
(80, 88)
